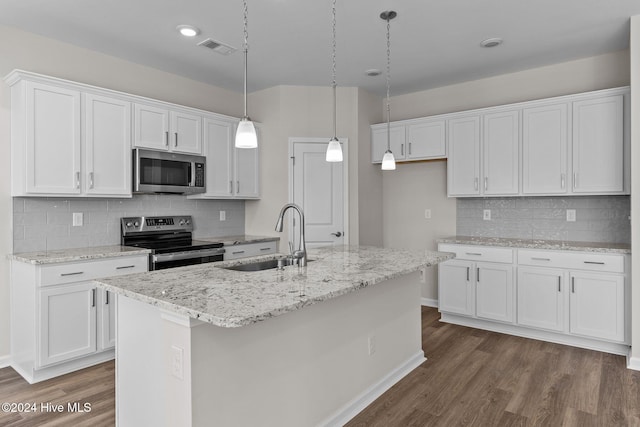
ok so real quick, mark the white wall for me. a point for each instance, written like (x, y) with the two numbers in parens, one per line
(635, 190)
(416, 186)
(30, 52)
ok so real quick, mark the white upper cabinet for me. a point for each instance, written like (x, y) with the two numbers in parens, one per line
(598, 145)
(49, 127)
(231, 172)
(545, 149)
(160, 128)
(500, 144)
(415, 140)
(463, 165)
(107, 145)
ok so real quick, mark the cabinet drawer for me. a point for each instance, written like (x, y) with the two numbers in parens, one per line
(57, 274)
(478, 253)
(572, 260)
(250, 249)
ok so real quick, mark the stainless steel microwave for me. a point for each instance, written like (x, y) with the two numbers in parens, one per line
(164, 172)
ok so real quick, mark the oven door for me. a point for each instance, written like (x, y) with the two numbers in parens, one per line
(180, 259)
(162, 172)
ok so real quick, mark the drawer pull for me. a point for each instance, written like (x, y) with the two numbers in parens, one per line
(107, 298)
(93, 297)
(468, 273)
(124, 266)
(541, 259)
(559, 280)
(573, 285)
(72, 274)
(594, 262)
(473, 253)
(237, 252)
(478, 274)
(265, 249)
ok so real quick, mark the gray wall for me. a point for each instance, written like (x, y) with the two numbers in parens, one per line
(598, 218)
(46, 223)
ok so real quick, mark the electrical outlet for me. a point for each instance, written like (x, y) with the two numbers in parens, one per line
(78, 219)
(571, 215)
(372, 344)
(223, 215)
(427, 213)
(177, 362)
(423, 276)
(486, 214)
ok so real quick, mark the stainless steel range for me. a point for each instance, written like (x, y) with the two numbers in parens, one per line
(170, 241)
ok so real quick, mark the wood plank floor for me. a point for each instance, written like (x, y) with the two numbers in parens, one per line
(471, 377)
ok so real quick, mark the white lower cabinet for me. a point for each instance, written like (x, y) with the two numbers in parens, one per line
(60, 321)
(569, 297)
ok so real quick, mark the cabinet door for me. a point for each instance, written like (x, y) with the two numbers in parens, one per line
(107, 319)
(107, 146)
(52, 140)
(247, 173)
(218, 148)
(541, 296)
(500, 153)
(544, 149)
(463, 164)
(186, 132)
(597, 306)
(150, 127)
(426, 140)
(456, 292)
(67, 325)
(379, 143)
(598, 145)
(494, 291)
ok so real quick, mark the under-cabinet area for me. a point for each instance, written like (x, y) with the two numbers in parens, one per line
(569, 296)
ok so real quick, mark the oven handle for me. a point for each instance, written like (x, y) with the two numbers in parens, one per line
(186, 255)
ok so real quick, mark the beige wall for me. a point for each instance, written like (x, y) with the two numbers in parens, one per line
(635, 189)
(412, 188)
(34, 53)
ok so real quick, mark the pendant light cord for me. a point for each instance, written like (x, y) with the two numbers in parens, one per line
(333, 84)
(246, 50)
(388, 83)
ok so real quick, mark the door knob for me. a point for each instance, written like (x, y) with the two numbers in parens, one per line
(338, 234)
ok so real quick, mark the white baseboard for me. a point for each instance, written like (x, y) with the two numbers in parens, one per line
(360, 402)
(429, 302)
(633, 362)
(5, 361)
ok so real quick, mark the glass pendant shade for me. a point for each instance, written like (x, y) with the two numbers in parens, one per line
(246, 134)
(334, 151)
(388, 161)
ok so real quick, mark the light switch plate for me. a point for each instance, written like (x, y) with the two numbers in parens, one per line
(486, 214)
(223, 215)
(78, 219)
(427, 213)
(571, 215)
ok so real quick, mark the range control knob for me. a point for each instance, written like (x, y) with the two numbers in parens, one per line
(129, 224)
(136, 224)
(182, 222)
(187, 221)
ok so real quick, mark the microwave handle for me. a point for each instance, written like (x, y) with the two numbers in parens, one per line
(192, 166)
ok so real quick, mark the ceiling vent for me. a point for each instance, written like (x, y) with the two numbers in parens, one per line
(216, 46)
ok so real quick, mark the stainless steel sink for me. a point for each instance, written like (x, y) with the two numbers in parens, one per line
(261, 265)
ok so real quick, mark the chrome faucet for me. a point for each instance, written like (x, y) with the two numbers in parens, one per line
(301, 253)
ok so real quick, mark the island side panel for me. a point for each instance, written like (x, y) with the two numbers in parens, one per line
(307, 367)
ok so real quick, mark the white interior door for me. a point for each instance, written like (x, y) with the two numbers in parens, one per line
(318, 188)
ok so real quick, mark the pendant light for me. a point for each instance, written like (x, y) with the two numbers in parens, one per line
(388, 161)
(246, 133)
(334, 150)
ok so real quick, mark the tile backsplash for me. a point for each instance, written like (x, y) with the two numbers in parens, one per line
(598, 218)
(47, 223)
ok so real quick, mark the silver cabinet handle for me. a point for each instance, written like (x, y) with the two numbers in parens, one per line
(90, 179)
(106, 302)
(409, 148)
(237, 252)
(338, 234)
(265, 249)
(75, 273)
(166, 138)
(402, 149)
(475, 183)
(124, 266)
(478, 274)
(230, 187)
(575, 179)
(562, 181)
(573, 285)
(594, 262)
(473, 253)
(486, 183)
(93, 297)
(540, 259)
(77, 179)
(468, 273)
(176, 134)
(559, 280)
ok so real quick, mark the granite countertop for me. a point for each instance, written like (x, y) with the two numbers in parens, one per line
(239, 240)
(230, 298)
(77, 254)
(615, 248)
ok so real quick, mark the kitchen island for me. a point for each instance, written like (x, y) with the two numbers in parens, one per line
(204, 345)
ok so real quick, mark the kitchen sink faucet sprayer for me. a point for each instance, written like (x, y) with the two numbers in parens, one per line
(301, 253)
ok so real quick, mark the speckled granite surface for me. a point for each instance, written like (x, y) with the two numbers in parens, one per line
(230, 298)
(615, 248)
(77, 254)
(239, 240)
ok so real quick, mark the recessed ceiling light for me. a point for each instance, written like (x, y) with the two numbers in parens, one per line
(373, 72)
(188, 30)
(492, 42)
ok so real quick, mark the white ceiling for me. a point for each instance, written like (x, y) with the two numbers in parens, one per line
(434, 42)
